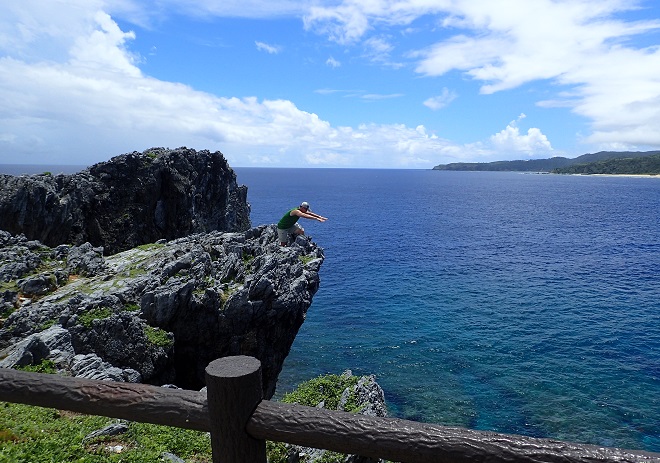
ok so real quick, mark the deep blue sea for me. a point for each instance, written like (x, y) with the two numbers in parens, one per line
(517, 303)
(510, 302)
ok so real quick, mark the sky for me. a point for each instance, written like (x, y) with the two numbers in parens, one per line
(328, 83)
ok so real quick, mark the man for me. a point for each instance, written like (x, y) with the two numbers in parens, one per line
(288, 223)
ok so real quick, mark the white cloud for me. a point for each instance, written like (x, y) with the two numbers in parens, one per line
(378, 49)
(272, 49)
(93, 102)
(72, 92)
(583, 45)
(380, 96)
(511, 140)
(333, 63)
(350, 20)
(147, 11)
(442, 100)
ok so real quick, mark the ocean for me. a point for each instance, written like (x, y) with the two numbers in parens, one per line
(510, 302)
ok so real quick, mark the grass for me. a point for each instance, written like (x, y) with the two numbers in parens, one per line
(35, 434)
(327, 389)
(7, 312)
(131, 307)
(100, 313)
(46, 366)
(150, 246)
(158, 337)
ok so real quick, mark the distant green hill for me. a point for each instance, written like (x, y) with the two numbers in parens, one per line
(544, 165)
(649, 165)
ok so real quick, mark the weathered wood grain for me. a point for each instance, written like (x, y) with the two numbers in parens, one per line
(135, 402)
(234, 390)
(413, 442)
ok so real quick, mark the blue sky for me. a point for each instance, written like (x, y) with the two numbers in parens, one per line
(336, 83)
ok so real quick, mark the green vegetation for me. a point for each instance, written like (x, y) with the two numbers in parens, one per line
(8, 286)
(158, 337)
(150, 246)
(247, 262)
(544, 165)
(99, 313)
(45, 366)
(34, 434)
(327, 389)
(306, 259)
(7, 312)
(131, 307)
(649, 165)
(47, 324)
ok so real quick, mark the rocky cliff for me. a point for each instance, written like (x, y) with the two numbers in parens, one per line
(132, 199)
(145, 268)
(158, 313)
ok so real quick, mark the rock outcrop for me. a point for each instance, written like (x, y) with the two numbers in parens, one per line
(363, 395)
(157, 313)
(132, 199)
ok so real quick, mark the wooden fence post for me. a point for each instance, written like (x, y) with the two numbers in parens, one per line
(234, 390)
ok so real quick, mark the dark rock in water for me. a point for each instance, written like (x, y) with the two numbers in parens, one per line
(157, 313)
(132, 199)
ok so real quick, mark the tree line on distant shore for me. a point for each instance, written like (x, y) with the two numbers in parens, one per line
(604, 162)
(632, 166)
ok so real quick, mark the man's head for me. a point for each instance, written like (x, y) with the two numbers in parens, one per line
(304, 205)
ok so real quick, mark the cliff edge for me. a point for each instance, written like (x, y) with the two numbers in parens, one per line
(158, 313)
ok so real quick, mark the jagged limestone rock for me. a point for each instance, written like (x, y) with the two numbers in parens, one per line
(133, 199)
(160, 312)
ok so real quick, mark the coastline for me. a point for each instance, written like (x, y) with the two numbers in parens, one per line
(619, 175)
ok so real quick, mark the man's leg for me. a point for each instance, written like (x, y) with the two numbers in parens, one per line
(283, 236)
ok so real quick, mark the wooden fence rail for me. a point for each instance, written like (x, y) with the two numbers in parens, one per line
(239, 421)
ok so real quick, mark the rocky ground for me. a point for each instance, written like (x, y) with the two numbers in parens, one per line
(158, 313)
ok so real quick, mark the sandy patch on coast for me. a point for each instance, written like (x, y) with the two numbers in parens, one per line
(620, 175)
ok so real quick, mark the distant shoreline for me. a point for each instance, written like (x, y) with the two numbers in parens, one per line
(617, 175)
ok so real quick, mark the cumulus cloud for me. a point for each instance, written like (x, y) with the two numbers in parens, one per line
(510, 139)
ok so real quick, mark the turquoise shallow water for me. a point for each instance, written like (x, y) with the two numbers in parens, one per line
(510, 302)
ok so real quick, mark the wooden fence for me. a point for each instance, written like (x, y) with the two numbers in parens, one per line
(240, 422)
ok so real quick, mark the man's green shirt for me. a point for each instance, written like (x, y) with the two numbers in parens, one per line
(288, 220)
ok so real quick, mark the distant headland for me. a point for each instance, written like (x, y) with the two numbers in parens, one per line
(603, 162)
